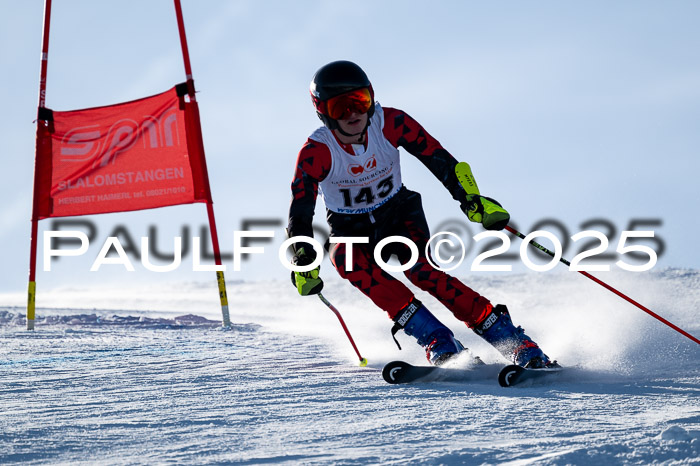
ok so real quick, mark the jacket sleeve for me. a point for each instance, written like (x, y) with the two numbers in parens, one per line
(402, 130)
(312, 167)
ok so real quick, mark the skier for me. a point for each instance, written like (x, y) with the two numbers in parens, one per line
(354, 160)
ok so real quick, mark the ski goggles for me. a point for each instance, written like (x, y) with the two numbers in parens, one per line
(342, 106)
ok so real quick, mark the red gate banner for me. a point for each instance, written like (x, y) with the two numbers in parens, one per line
(136, 155)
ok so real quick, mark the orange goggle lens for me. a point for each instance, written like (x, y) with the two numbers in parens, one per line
(342, 106)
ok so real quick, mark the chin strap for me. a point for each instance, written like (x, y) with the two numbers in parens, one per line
(359, 135)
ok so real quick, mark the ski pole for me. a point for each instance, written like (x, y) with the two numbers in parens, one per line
(363, 361)
(605, 285)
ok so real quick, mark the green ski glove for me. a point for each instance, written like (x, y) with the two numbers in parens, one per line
(306, 283)
(478, 208)
(487, 211)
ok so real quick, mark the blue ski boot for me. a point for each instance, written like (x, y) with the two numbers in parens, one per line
(512, 342)
(417, 321)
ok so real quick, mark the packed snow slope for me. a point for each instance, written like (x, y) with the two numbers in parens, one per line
(147, 376)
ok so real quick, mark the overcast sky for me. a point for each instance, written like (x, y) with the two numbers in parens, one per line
(573, 111)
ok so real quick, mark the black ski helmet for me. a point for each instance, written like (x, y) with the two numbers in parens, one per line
(334, 79)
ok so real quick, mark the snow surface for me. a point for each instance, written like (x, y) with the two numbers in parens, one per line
(147, 376)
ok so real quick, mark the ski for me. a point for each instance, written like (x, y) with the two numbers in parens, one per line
(400, 372)
(513, 375)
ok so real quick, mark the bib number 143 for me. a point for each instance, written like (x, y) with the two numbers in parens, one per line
(367, 195)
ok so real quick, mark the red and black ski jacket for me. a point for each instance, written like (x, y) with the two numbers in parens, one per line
(314, 163)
